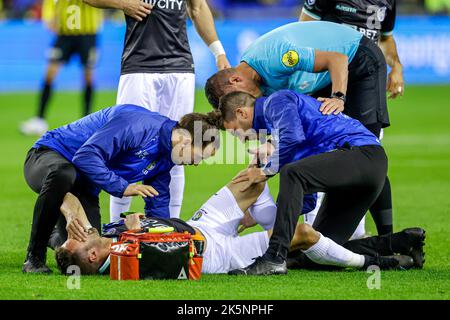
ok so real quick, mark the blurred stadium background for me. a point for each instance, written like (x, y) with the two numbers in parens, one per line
(422, 34)
(418, 145)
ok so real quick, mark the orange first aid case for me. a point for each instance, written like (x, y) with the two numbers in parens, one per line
(141, 255)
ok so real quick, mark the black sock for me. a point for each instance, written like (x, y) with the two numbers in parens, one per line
(381, 210)
(46, 92)
(88, 93)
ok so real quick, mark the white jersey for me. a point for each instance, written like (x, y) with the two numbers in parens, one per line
(218, 219)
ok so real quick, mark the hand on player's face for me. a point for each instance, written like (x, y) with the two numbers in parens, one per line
(331, 105)
(76, 231)
(136, 9)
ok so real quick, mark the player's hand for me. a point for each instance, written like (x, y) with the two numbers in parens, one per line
(261, 154)
(136, 9)
(222, 62)
(395, 83)
(140, 190)
(75, 230)
(250, 176)
(133, 221)
(246, 222)
(331, 105)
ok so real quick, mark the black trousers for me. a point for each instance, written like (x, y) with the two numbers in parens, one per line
(352, 179)
(51, 176)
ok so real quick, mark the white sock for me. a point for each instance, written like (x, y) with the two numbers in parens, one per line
(264, 210)
(360, 230)
(328, 252)
(117, 206)
(311, 216)
(176, 191)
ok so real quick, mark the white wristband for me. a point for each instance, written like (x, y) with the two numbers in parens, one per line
(216, 48)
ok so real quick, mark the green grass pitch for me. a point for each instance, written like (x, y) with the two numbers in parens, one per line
(418, 145)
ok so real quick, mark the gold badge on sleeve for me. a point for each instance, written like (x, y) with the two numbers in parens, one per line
(290, 58)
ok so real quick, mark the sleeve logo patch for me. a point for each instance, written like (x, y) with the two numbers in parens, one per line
(290, 58)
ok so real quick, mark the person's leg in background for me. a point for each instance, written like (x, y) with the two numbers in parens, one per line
(59, 54)
(177, 99)
(381, 209)
(139, 89)
(88, 91)
(51, 176)
(37, 125)
(88, 56)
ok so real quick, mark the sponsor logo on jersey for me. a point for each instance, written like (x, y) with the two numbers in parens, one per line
(150, 167)
(341, 7)
(141, 154)
(198, 215)
(290, 58)
(311, 2)
(166, 4)
(381, 14)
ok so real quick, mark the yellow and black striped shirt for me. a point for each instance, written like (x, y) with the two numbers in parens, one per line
(72, 17)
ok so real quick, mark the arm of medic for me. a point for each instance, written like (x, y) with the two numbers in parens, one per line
(78, 224)
(291, 58)
(286, 125)
(287, 133)
(109, 141)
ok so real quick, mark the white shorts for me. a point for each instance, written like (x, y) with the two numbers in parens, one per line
(218, 220)
(170, 94)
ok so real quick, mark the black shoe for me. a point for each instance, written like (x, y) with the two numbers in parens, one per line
(395, 262)
(261, 266)
(35, 265)
(295, 259)
(415, 240)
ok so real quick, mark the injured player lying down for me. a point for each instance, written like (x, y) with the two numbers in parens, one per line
(218, 220)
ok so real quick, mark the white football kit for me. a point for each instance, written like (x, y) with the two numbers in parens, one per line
(170, 94)
(218, 219)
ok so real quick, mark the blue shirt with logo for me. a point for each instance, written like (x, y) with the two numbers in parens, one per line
(284, 57)
(117, 146)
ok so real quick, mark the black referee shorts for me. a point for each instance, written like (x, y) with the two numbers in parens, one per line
(366, 88)
(85, 46)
